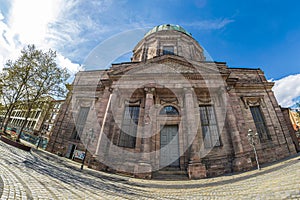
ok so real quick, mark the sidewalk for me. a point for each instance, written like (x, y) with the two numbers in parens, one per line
(220, 180)
(41, 175)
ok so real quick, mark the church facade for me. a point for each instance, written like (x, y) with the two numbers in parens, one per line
(170, 109)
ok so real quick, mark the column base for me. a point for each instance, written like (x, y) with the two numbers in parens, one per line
(242, 164)
(143, 170)
(196, 170)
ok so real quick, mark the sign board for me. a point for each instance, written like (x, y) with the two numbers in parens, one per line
(79, 154)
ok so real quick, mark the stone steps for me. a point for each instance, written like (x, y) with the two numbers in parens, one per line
(170, 174)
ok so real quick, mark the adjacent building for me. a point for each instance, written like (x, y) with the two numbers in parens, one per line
(170, 109)
(295, 119)
(40, 121)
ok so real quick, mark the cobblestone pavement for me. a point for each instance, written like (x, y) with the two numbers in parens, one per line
(40, 175)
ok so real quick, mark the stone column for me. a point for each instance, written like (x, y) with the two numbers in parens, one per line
(143, 168)
(195, 168)
(283, 134)
(104, 109)
(108, 132)
(238, 132)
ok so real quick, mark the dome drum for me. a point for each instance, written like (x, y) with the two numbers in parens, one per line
(168, 39)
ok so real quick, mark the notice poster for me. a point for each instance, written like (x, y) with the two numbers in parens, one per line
(79, 154)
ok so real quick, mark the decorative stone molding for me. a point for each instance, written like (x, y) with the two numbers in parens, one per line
(221, 95)
(87, 97)
(85, 101)
(110, 89)
(253, 101)
(133, 102)
(204, 98)
(173, 100)
(188, 90)
(149, 90)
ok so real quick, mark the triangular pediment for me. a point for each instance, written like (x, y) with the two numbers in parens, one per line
(167, 64)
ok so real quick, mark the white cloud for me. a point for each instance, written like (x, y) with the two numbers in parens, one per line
(29, 19)
(68, 64)
(1, 16)
(6, 40)
(287, 90)
(31, 22)
(210, 24)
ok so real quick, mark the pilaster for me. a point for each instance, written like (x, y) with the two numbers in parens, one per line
(143, 168)
(195, 168)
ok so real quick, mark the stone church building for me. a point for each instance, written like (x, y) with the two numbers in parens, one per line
(171, 110)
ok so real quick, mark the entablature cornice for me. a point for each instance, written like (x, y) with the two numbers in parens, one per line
(263, 86)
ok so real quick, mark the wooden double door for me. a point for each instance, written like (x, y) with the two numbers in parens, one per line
(169, 146)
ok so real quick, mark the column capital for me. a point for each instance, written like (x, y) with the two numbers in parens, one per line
(149, 90)
(110, 89)
(188, 90)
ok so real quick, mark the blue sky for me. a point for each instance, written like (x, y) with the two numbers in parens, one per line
(257, 33)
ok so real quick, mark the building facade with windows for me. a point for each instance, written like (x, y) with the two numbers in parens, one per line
(40, 121)
(292, 118)
(170, 109)
(295, 119)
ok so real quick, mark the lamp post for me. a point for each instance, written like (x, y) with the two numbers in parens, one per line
(89, 136)
(251, 139)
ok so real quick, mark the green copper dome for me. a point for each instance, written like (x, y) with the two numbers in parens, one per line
(165, 27)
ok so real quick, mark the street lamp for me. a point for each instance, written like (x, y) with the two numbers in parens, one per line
(89, 136)
(251, 139)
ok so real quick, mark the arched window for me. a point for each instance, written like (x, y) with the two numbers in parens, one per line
(169, 110)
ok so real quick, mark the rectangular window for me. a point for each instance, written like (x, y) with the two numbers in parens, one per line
(168, 50)
(129, 127)
(80, 122)
(260, 124)
(32, 124)
(209, 126)
(37, 114)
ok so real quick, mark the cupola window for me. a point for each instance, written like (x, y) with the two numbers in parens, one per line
(168, 50)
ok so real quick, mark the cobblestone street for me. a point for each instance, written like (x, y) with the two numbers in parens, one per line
(40, 175)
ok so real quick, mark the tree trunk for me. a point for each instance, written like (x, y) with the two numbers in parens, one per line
(2, 123)
(24, 123)
(7, 117)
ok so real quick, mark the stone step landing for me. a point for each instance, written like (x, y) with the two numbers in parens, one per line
(170, 174)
